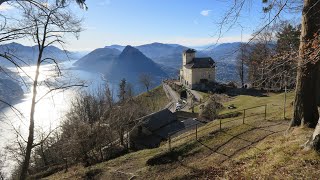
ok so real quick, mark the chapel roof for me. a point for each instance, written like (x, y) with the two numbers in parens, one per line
(204, 62)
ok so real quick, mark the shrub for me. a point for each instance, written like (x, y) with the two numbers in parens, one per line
(210, 109)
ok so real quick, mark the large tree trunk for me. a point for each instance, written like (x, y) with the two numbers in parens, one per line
(318, 87)
(305, 105)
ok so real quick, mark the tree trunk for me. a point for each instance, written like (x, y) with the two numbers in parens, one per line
(121, 133)
(43, 155)
(314, 141)
(318, 86)
(29, 147)
(305, 105)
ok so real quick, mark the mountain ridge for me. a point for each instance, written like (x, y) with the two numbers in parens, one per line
(27, 55)
(169, 57)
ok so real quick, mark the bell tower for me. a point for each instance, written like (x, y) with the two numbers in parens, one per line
(188, 56)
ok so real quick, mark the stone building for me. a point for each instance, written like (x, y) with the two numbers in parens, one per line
(196, 73)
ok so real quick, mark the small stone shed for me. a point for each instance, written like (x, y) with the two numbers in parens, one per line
(157, 127)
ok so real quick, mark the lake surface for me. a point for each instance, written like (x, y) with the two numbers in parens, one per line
(51, 110)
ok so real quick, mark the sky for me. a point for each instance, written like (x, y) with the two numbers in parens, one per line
(191, 23)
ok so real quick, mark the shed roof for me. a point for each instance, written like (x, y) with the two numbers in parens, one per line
(159, 120)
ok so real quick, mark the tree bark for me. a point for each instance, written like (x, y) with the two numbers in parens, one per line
(305, 105)
(318, 86)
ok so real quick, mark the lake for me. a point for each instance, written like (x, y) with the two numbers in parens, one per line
(51, 110)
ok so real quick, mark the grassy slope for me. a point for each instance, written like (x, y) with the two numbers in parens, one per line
(258, 148)
(155, 100)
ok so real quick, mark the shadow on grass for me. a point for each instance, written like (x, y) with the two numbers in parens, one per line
(237, 136)
(174, 155)
(247, 92)
(207, 173)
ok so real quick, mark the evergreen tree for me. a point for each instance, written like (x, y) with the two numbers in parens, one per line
(288, 38)
(122, 90)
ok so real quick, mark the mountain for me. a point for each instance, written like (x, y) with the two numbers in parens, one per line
(116, 65)
(27, 55)
(156, 50)
(226, 52)
(98, 60)
(164, 54)
(119, 47)
(131, 63)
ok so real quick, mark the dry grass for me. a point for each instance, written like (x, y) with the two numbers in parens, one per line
(278, 156)
(154, 100)
(257, 149)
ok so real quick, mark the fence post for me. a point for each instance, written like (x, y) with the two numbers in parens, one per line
(66, 164)
(285, 102)
(244, 116)
(196, 131)
(220, 124)
(265, 112)
(128, 139)
(169, 142)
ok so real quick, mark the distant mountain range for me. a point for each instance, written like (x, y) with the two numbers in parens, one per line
(27, 55)
(226, 52)
(167, 56)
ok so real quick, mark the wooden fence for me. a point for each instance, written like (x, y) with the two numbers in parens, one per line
(221, 122)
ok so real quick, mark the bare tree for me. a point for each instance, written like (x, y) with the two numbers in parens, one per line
(242, 60)
(2, 161)
(45, 26)
(129, 90)
(146, 80)
(121, 117)
(81, 3)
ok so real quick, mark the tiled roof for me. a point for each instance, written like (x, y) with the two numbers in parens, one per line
(206, 62)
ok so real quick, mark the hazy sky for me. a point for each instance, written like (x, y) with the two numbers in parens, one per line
(135, 22)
